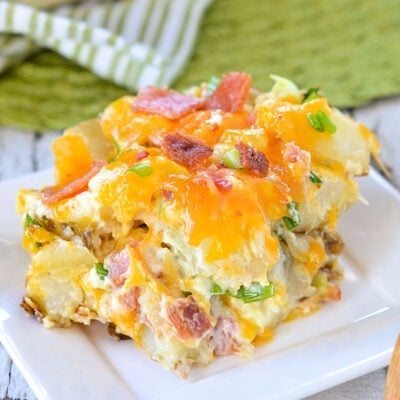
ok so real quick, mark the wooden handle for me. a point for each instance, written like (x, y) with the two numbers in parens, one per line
(392, 391)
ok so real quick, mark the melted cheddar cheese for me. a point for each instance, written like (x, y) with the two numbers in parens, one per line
(188, 255)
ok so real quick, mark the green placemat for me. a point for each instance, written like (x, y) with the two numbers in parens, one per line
(47, 92)
(350, 49)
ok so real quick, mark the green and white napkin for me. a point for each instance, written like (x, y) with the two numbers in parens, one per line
(129, 42)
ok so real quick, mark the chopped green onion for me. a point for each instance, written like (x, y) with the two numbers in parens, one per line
(101, 271)
(320, 281)
(186, 293)
(314, 178)
(216, 289)
(311, 94)
(321, 122)
(141, 169)
(292, 220)
(212, 84)
(315, 122)
(231, 159)
(117, 151)
(249, 294)
(255, 292)
(326, 122)
(30, 221)
(284, 87)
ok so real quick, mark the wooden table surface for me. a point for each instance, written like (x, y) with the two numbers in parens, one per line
(22, 152)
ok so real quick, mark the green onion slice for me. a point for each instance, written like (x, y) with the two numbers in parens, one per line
(326, 122)
(249, 294)
(117, 151)
(212, 84)
(315, 122)
(311, 94)
(101, 271)
(292, 220)
(30, 221)
(321, 122)
(216, 289)
(255, 292)
(141, 169)
(314, 178)
(284, 87)
(231, 159)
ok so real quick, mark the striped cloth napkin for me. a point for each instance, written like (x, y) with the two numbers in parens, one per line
(129, 42)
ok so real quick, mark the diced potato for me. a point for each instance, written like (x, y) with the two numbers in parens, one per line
(54, 279)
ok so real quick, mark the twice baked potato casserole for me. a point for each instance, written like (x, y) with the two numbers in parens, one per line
(196, 222)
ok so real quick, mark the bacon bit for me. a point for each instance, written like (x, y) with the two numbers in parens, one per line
(293, 153)
(334, 294)
(222, 184)
(142, 154)
(189, 152)
(52, 196)
(169, 103)
(224, 337)
(253, 160)
(131, 298)
(219, 178)
(251, 118)
(117, 264)
(167, 194)
(188, 319)
(231, 94)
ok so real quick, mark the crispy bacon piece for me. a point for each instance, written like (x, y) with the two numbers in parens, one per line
(294, 154)
(334, 294)
(219, 176)
(131, 298)
(231, 94)
(188, 319)
(224, 337)
(184, 150)
(141, 155)
(52, 196)
(167, 194)
(222, 184)
(253, 160)
(117, 264)
(169, 103)
(251, 118)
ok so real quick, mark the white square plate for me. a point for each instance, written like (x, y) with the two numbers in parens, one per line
(342, 341)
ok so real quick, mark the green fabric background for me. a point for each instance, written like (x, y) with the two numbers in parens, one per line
(350, 49)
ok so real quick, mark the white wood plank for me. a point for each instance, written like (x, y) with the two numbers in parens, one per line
(370, 386)
(16, 152)
(18, 388)
(43, 156)
(5, 370)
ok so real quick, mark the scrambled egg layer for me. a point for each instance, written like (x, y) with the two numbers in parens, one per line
(194, 263)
